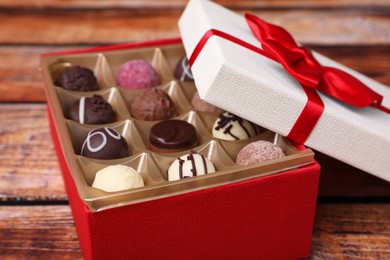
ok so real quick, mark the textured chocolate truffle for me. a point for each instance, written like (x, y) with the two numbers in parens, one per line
(202, 106)
(76, 78)
(153, 104)
(190, 165)
(91, 110)
(231, 127)
(172, 136)
(183, 71)
(137, 74)
(105, 143)
(257, 152)
(116, 178)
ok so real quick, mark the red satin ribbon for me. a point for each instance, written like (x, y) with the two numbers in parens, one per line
(278, 45)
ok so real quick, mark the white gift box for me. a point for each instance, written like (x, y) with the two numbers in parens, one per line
(260, 90)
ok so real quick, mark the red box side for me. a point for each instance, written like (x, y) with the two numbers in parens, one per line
(261, 218)
(81, 213)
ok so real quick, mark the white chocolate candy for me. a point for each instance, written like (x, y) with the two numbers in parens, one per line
(116, 178)
(231, 127)
(190, 165)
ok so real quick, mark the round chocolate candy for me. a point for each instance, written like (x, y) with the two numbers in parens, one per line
(91, 110)
(153, 104)
(172, 136)
(231, 127)
(76, 78)
(137, 74)
(202, 106)
(183, 71)
(257, 152)
(105, 143)
(116, 178)
(190, 165)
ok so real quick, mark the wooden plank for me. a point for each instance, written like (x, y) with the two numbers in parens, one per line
(28, 164)
(20, 80)
(38, 232)
(325, 27)
(181, 3)
(352, 231)
(29, 170)
(341, 231)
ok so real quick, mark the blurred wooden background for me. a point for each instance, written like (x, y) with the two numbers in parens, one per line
(353, 215)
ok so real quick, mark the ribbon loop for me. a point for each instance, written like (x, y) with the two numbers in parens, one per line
(298, 62)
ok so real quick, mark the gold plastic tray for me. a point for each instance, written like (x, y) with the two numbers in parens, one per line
(152, 166)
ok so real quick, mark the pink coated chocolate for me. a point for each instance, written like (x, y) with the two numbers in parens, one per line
(137, 74)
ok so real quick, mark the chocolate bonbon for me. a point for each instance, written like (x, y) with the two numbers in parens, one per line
(203, 106)
(183, 71)
(105, 143)
(91, 110)
(116, 178)
(76, 78)
(257, 152)
(153, 104)
(190, 165)
(172, 136)
(137, 74)
(231, 127)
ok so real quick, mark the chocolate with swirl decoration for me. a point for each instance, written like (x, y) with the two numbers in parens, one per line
(183, 71)
(105, 143)
(231, 127)
(190, 165)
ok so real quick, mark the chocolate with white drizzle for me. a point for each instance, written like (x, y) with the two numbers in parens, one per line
(190, 165)
(105, 143)
(91, 110)
(183, 71)
(231, 127)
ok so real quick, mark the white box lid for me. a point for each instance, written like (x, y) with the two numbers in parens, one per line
(260, 90)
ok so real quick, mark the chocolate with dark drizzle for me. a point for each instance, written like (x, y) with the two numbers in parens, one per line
(225, 120)
(191, 158)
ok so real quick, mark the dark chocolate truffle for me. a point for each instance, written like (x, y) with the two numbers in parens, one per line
(105, 143)
(153, 104)
(183, 71)
(91, 110)
(137, 74)
(76, 78)
(172, 136)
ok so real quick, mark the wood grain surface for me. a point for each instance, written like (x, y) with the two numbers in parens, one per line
(353, 213)
(102, 26)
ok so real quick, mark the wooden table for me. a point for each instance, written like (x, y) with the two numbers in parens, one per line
(353, 214)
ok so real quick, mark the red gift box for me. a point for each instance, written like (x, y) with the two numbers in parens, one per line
(263, 218)
(266, 217)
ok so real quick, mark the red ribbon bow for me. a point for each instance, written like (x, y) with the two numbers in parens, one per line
(301, 64)
(278, 45)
